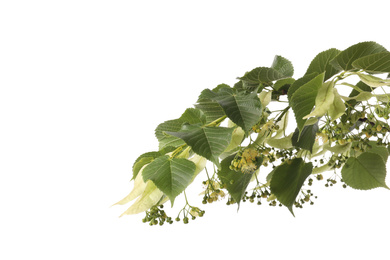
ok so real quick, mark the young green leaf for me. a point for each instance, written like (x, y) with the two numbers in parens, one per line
(365, 172)
(374, 63)
(208, 142)
(303, 100)
(236, 182)
(170, 175)
(344, 60)
(283, 65)
(323, 101)
(321, 64)
(287, 180)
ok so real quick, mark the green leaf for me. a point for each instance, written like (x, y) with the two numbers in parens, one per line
(190, 116)
(306, 138)
(344, 60)
(321, 64)
(337, 108)
(243, 109)
(283, 84)
(374, 63)
(324, 100)
(262, 75)
(148, 157)
(380, 150)
(287, 180)
(303, 100)
(209, 142)
(236, 182)
(373, 81)
(299, 83)
(365, 172)
(283, 65)
(170, 175)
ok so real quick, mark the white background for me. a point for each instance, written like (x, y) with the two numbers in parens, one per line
(83, 84)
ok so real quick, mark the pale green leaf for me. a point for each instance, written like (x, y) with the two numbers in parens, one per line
(344, 60)
(365, 172)
(170, 175)
(323, 101)
(321, 64)
(374, 63)
(287, 180)
(337, 108)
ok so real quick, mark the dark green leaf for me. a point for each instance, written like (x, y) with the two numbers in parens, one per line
(236, 182)
(209, 142)
(374, 63)
(262, 75)
(287, 180)
(344, 60)
(171, 176)
(321, 64)
(283, 65)
(303, 99)
(307, 137)
(242, 108)
(365, 172)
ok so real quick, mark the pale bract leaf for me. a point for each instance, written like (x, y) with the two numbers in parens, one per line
(280, 143)
(265, 97)
(150, 197)
(373, 81)
(337, 108)
(138, 189)
(362, 96)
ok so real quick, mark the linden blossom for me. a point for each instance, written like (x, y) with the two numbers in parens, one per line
(239, 133)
